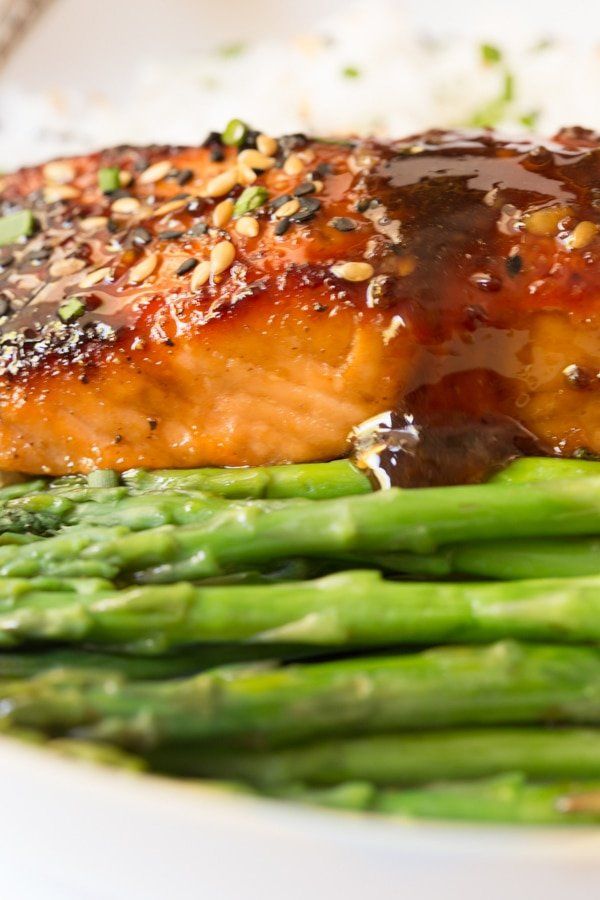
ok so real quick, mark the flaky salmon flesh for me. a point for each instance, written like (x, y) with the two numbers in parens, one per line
(251, 304)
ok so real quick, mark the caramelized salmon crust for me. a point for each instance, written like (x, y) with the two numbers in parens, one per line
(224, 306)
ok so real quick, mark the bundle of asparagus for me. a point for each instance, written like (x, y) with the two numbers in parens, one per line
(290, 630)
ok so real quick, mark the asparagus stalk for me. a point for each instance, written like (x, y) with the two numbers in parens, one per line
(317, 481)
(346, 609)
(507, 799)
(530, 469)
(243, 534)
(400, 759)
(254, 706)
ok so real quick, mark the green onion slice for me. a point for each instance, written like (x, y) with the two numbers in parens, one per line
(109, 179)
(251, 198)
(235, 132)
(71, 309)
(15, 226)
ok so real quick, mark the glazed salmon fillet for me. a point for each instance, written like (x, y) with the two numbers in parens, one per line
(250, 304)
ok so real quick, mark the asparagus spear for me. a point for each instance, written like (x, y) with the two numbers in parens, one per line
(508, 799)
(400, 759)
(346, 609)
(504, 683)
(530, 469)
(318, 481)
(243, 534)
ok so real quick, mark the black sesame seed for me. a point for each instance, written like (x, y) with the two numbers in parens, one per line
(141, 236)
(118, 438)
(342, 223)
(303, 189)
(279, 201)
(217, 154)
(120, 192)
(181, 196)
(187, 265)
(169, 342)
(6, 259)
(514, 264)
(183, 176)
(213, 137)
(309, 207)
(171, 235)
(4, 305)
(198, 230)
(249, 140)
(113, 226)
(152, 423)
(363, 204)
(321, 170)
(282, 226)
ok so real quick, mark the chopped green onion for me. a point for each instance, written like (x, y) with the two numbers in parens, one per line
(15, 226)
(229, 51)
(103, 478)
(235, 132)
(529, 120)
(508, 93)
(490, 54)
(251, 198)
(351, 72)
(71, 309)
(109, 179)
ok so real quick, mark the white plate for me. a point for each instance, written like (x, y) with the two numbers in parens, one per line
(71, 831)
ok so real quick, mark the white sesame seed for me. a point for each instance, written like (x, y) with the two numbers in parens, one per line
(170, 206)
(125, 178)
(143, 269)
(96, 277)
(293, 165)
(247, 225)
(93, 222)
(155, 172)
(245, 175)
(221, 257)
(266, 145)
(287, 209)
(318, 186)
(255, 160)
(55, 192)
(221, 184)
(222, 213)
(583, 233)
(200, 275)
(63, 267)
(125, 206)
(353, 271)
(59, 172)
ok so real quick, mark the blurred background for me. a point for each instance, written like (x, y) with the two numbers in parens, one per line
(79, 74)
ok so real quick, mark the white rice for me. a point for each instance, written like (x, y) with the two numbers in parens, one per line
(363, 70)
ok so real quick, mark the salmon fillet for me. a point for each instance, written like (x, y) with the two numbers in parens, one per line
(233, 305)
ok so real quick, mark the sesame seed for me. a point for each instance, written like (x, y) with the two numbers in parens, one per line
(293, 165)
(309, 207)
(222, 213)
(282, 226)
(287, 209)
(125, 178)
(169, 235)
(125, 206)
(155, 172)
(93, 222)
(221, 257)
(187, 265)
(64, 267)
(266, 145)
(255, 160)
(201, 275)
(183, 176)
(245, 175)
(59, 172)
(247, 225)
(582, 235)
(342, 223)
(96, 277)
(279, 201)
(141, 236)
(353, 271)
(306, 187)
(53, 193)
(221, 184)
(171, 206)
(143, 269)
